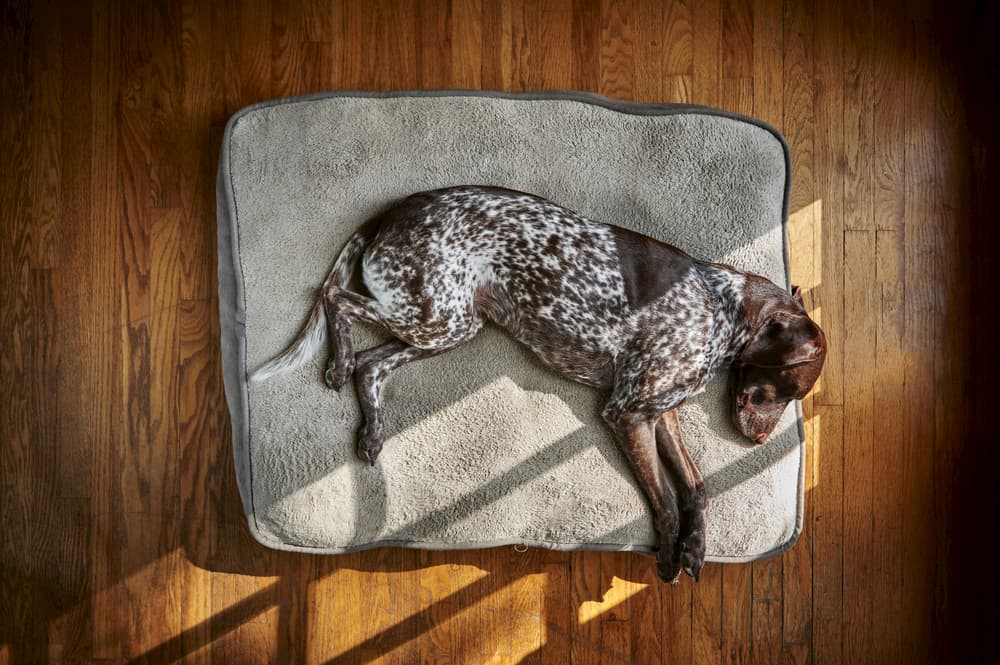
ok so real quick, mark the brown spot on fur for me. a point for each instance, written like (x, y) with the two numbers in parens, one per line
(648, 267)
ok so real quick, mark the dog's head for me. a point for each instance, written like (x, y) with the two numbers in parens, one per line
(781, 362)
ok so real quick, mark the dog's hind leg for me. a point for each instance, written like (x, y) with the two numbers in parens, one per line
(342, 309)
(373, 367)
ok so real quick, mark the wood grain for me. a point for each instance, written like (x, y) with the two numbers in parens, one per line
(124, 538)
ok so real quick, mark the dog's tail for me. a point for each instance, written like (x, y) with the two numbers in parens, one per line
(313, 333)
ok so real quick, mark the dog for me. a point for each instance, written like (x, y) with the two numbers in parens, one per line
(598, 304)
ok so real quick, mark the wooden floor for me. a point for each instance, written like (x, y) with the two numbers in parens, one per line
(122, 536)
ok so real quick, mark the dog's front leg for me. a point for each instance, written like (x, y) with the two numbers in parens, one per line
(637, 437)
(691, 495)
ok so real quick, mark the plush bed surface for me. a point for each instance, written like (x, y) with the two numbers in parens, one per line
(486, 447)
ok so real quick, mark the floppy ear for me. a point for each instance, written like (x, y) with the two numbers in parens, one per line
(797, 295)
(784, 339)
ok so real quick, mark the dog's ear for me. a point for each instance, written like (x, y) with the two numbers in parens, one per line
(784, 339)
(797, 295)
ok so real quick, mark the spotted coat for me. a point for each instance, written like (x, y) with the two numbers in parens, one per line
(444, 261)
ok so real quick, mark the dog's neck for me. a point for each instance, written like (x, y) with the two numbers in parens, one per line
(730, 331)
(747, 301)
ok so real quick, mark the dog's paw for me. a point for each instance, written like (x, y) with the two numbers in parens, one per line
(336, 376)
(668, 564)
(693, 553)
(370, 441)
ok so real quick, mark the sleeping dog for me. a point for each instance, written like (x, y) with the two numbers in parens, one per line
(598, 304)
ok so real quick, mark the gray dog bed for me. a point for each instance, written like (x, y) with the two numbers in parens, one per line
(486, 447)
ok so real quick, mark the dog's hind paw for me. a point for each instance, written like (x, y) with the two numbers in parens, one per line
(336, 377)
(370, 442)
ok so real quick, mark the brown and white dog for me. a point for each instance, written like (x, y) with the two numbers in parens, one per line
(598, 304)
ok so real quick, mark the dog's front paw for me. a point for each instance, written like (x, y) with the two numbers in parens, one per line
(668, 564)
(338, 375)
(370, 441)
(693, 553)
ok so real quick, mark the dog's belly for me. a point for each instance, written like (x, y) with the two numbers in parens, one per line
(569, 358)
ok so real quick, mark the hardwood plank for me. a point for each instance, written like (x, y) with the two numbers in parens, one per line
(496, 603)
(132, 449)
(291, 23)
(889, 124)
(859, 456)
(859, 115)
(44, 131)
(150, 613)
(198, 142)
(585, 587)
(434, 580)
(467, 44)
(706, 35)
(393, 586)
(768, 46)
(496, 46)
(737, 39)
(737, 604)
(616, 616)
(224, 57)
(558, 612)
(887, 577)
(828, 157)
(465, 628)
(706, 616)
(254, 18)
(162, 485)
(678, 41)
(828, 558)
(647, 633)
(517, 28)
(888, 193)
(75, 254)
(678, 622)
(306, 20)
(554, 35)
(830, 447)
(70, 629)
(525, 622)
(203, 441)
(617, 66)
(433, 44)
(649, 51)
(586, 45)
(165, 99)
(16, 33)
(106, 361)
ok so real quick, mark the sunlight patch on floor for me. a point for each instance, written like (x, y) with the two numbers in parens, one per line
(620, 591)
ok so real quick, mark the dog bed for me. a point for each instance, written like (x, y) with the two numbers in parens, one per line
(485, 446)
